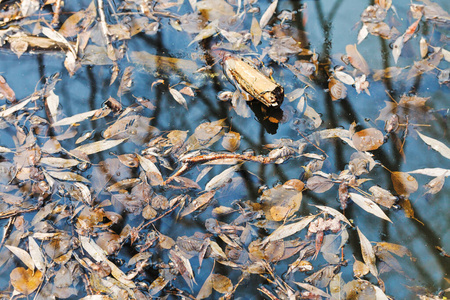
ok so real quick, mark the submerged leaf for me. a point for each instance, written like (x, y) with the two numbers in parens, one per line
(25, 281)
(356, 59)
(368, 253)
(404, 184)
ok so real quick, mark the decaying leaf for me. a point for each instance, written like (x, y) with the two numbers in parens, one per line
(288, 230)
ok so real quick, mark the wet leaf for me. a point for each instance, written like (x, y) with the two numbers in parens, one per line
(356, 59)
(436, 145)
(319, 184)
(206, 289)
(206, 32)
(67, 176)
(197, 203)
(36, 254)
(256, 32)
(404, 184)
(280, 203)
(435, 185)
(153, 174)
(75, 118)
(221, 283)
(183, 266)
(338, 215)
(368, 139)
(25, 281)
(221, 179)
(337, 89)
(15, 108)
(23, 256)
(368, 253)
(6, 91)
(178, 97)
(382, 196)
(432, 172)
(98, 146)
(360, 269)
(344, 77)
(288, 230)
(231, 141)
(59, 162)
(268, 14)
(369, 206)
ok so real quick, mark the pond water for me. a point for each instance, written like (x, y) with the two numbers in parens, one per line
(164, 48)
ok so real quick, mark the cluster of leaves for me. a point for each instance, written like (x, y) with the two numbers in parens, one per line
(64, 229)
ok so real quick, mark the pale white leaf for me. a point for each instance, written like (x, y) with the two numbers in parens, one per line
(67, 176)
(15, 108)
(344, 77)
(379, 294)
(368, 253)
(52, 102)
(268, 14)
(436, 145)
(36, 254)
(98, 146)
(314, 290)
(288, 230)
(151, 170)
(362, 34)
(85, 192)
(335, 213)
(206, 32)
(59, 162)
(397, 48)
(222, 178)
(369, 206)
(75, 118)
(435, 172)
(178, 97)
(313, 115)
(22, 255)
(4, 150)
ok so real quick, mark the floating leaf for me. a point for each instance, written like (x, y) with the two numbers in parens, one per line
(206, 32)
(356, 59)
(397, 48)
(344, 77)
(219, 180)
(231, 141)
(369, 206)
(436, 145)
(368, 139)
(404, 184)
(178, 97)
(67, 176)
(268, 14)
(221, 284)
(337, 89)
(200, 201)
(6, 91)
(151, 170)
(25, 281)
(368, 253)
(256, 32)
(432, 172)
(36, 254)
(75, 118)
(23, 256)
(98, 146)
(280, 202)
(288, 230)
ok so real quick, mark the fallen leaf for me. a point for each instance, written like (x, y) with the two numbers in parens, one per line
(369, 206)
(368, 139)
(268, 14)
(178, 97)
(356, 59)
(288, 230)
(436, 145)
(404, 184)
(98, 146)
(25, 281)
(368, 253)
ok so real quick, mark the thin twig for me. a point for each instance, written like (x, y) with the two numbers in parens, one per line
(317, 147)
(55, 19)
